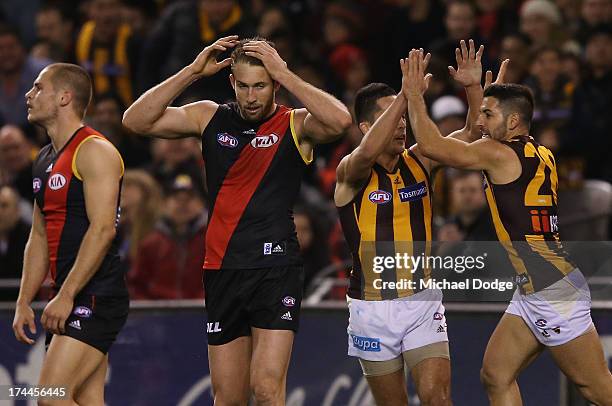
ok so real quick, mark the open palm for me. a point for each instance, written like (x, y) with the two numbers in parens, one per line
(469, 67)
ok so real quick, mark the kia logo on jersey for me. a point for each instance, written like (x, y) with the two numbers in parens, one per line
(226, 140)
(57, 181)
(264, 141)
(380, 197)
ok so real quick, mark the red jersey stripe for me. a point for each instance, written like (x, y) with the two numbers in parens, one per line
(238, 187)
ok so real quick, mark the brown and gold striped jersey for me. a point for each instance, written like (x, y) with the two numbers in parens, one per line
(524, 214)
(390, 215)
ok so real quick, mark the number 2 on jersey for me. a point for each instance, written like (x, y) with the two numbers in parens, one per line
(532, 194)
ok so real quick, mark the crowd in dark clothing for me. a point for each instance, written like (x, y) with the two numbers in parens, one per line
(561, 49)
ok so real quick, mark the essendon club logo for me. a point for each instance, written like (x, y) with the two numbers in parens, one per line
(542, 222)
(57, 181)
(264, 141)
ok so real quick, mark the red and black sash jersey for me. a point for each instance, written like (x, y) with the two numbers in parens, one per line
(253, 175)
(58, 192)
(524, 213)
(390, 215)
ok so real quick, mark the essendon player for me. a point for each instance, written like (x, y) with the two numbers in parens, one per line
(551, 307)
(255, 152)
(77, 179)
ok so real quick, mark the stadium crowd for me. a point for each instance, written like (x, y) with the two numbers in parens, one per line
(561, 49)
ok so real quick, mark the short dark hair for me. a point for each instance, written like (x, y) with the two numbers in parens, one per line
(513, 98)
(10, 30)
(366, 98)
(77, 80)
(542, 49)
(239, 55)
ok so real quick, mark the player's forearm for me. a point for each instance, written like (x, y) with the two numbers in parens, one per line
(426, 133)
(330, 111)
(35, 268)
(151, 105)
(474, 98)
(96, 242)
(383, 130)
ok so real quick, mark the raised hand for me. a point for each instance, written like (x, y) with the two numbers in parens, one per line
(274, 64)
(469, 67)
(501, 75)
(206, 64)
(414, 79)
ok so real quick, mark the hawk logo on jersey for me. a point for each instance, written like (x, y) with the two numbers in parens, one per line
(57, 181)
(380, 197)
(36, 184)
(226, 140)
(412, 192)
(264, 141)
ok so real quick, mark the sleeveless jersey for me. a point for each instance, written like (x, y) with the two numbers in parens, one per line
(58, 192)
(391, 215)
(253, 176)
(524, 213)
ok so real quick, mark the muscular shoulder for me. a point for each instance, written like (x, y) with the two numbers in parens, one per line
(98, 156)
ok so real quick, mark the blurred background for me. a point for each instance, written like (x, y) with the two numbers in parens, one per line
(561, 49)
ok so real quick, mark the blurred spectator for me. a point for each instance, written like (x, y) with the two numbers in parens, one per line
(169, 260)
(350, 65)
(182, 32)
(495, 19)
(541, 21)
(407, 25)
(173, 157)
(272, 19)
(592, 104)
(55, 31)
(516, 48)
(13, 237)
(309, 232)
(20, 13)
(141, 201)
(106, 118)
(17, 73)
(139, 15)
(551, 89)
(16, 161)
(593, 13)
(448, 112)
(109, 51)
(572, 67)
(460, 25)
(441, 83)
(471, 220)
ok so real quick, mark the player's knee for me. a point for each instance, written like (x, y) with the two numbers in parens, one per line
(494, 378)
(266, 390)
(433, 395)
(228, 396)
(597, 392)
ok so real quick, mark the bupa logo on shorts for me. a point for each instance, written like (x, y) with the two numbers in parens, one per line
(379, 197)
(438, 316)
(57, 181)
(213, 327)
(36, 184)
(289, 301)
(82, 311)
(413, 192)
(366, 343)
(264, 141)
(226, 140)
